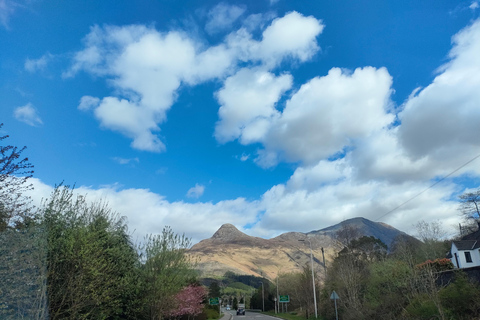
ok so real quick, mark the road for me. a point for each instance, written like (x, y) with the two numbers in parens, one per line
(248, 316)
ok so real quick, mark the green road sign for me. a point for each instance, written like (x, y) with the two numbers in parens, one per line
(213, 301)
(285, 298)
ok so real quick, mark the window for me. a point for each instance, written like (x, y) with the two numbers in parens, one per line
(468, 256)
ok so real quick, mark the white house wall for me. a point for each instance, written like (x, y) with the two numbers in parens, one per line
(461, 257)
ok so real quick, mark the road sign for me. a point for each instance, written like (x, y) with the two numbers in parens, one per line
(285, 298)
(213, 301)
(334, 296)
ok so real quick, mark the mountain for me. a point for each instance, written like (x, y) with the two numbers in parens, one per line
(229, 249)
(365, 227)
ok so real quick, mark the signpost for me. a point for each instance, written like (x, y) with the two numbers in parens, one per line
(283, 299)
(334, 296)
(214, 302)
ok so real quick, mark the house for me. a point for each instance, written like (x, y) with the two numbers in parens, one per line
(465, 253)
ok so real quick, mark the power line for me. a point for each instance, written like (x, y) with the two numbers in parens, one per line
(415, 196)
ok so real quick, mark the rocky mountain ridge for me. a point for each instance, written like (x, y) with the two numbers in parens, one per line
(229, 249)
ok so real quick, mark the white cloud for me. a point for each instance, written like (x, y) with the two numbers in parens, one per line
(474, 5)
(244, 157)
(292, 36)
(344, 114)
(148, 212)
(147, 67)
(330, 113)
(441, 121)
(222, 17)
(196, 192)
(88, 103)
(7, 8)
(125, 161)
(28, 114)
(303, 210)
(248, 101)
(33, 65)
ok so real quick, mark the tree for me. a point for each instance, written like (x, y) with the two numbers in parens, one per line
(432, 235)
(470, 206)
(14, 175)
(165, 271)
(189, 301)
(214, 290)
(91, 262)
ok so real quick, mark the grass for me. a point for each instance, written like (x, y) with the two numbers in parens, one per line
(288, 316)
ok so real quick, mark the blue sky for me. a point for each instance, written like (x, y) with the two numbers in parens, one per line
(271, 115)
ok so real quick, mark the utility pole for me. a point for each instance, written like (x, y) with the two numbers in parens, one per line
(313, 279)
(263, 299)
(277, 300)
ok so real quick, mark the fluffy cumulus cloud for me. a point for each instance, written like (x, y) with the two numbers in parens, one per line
(328, 114)
(355, 154)
(28, 114)
(248, 101)
(387, 171)
(293, 36)
(440, 122)
(148, 212)
(147, 67)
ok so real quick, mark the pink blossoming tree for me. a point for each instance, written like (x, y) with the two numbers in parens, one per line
(189, 301)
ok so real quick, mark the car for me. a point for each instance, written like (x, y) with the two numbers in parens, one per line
(228, 308)
(240, 312)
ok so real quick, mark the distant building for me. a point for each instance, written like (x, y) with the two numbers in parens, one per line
(465, 253)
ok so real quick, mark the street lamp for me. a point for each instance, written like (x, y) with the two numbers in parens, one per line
(313, 278)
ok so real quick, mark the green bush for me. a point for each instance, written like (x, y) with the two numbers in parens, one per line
(422, 308)
(211, 313)
(461, 297)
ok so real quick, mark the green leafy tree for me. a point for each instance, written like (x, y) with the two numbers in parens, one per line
(214, 290)
(91, 261)
(165, 271)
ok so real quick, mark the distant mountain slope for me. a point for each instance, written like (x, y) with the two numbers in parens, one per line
(229, 249)
(379, 230)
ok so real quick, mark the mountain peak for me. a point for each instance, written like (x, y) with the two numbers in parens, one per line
(228, 232)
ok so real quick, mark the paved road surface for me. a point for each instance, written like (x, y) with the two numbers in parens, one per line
(248, 316)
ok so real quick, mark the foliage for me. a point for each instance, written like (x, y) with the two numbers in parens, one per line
(437, 264)
(91, 261)
(14, 174)
(166, 270)
(189, 301)
(211, 313)
(461, 298)
(387, 288)
(470, 205)
(214, 290)
(240, 286)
